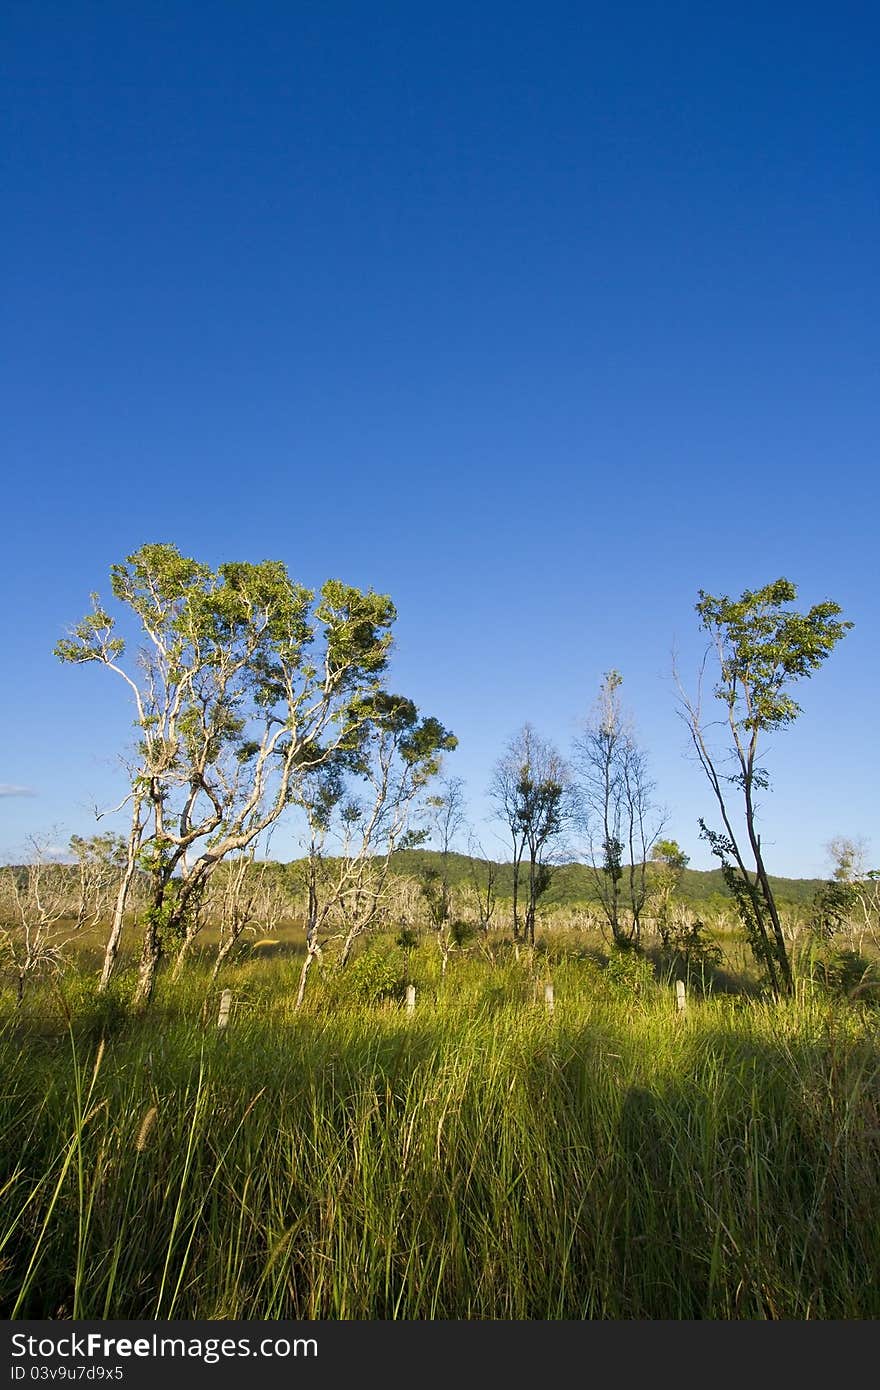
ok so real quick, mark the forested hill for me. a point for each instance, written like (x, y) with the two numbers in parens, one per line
(573, 883)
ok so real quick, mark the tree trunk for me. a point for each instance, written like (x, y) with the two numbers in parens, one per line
(111, 950)
(183, 953)
(781, 952)
(347, 946)
(187, 910)
(224, 951)
(312, 947)
(151, 954)
(304, 973)
(151, 949)
(530, 910)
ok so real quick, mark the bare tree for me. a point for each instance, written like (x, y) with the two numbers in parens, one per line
(99, 861)
(617, 811)
(248, 896)
(531, 789)
(482, 883)
(38, 916)
(445, 815)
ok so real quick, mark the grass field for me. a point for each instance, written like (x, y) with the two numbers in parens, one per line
(481, 1158)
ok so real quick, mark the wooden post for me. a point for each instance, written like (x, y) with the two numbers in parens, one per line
(548, 997)
(410, 999)
(680, 996)
(225, 1006)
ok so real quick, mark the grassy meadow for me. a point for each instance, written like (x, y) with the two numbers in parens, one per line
(481, 1157)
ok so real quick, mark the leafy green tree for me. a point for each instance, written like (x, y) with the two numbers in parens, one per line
(245, 682)
(668, 863)
(762, 647)
(360, 804)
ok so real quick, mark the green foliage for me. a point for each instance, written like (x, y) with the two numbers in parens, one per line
(764, 949)
(435, 892)
(764, 646)
(670, 854)
(852, 892)
(540, 804)
(612, 858)
(374, 975)
(225, 645)
(461, 932)
(831, 907)
(630, 972)
(543, 879)
(690, 942)
(843, 971)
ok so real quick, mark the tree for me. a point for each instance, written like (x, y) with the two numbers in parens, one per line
(761, 647)
(668, 862)
(247, 894)
(482, 883)
(531, 788)
(244, 684)
(361, 802)
(100, 861)
(503, 791)
(617, 811)
(38, 912)
(446, 816)
(130, 876)
(850, 896)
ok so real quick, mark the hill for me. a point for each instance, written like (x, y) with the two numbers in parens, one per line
(573, 885)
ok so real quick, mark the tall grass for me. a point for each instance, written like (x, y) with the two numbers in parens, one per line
(480, 1159)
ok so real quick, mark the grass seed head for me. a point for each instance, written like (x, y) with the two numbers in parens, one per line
(146, 1125)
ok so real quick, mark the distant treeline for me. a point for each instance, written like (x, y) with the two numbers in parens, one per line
(573, 885)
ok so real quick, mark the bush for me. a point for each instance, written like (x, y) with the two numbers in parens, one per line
(846, 972)
(690, 943)
(630, 972)
(460, 933)
(372, 976)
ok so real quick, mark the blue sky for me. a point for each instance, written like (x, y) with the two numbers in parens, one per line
(539, 318)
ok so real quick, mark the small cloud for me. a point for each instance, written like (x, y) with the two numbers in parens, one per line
(7, 789)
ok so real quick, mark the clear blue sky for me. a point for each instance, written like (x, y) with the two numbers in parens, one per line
(538, 317)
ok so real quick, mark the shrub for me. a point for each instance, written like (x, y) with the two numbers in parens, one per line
(691, 944)
(460, 933)
(372, 976)
(630, 972)
(847, 972)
